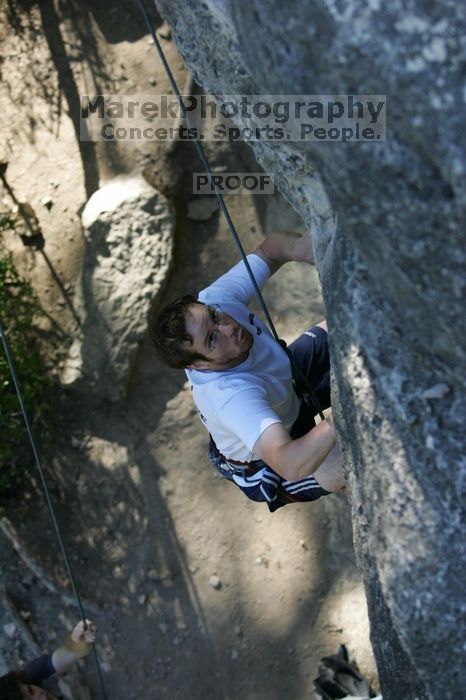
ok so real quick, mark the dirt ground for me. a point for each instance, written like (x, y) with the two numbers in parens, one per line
(146, 520)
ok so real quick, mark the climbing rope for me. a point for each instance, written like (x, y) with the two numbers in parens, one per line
(304, 386)
(47, 495)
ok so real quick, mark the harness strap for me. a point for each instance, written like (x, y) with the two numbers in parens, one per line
(235, 466)
(301, 386)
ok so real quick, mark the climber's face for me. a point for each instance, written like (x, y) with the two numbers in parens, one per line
(216, 336)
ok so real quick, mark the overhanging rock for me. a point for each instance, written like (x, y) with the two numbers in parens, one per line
(128, 226)
(392, 273)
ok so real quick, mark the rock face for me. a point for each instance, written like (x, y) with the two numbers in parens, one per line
(128, 227)
(392, 272)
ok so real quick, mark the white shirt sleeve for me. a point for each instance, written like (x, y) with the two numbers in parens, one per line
(236, 284)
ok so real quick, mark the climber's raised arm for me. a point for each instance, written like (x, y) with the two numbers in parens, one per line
(279, 248)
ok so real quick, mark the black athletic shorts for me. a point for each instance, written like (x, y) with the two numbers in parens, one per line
(311, 356)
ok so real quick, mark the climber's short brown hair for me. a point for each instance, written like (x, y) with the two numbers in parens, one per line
(10, 685)
(168, 333)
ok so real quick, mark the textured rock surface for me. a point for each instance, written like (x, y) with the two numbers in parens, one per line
(393, 280)
(128, 227)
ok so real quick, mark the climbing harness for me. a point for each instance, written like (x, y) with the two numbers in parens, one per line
(301, 385)
(47, 495)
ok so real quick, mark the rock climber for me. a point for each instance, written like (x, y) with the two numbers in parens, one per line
(263, 437)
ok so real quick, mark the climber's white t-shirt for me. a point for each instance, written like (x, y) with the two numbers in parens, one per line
(238, 404)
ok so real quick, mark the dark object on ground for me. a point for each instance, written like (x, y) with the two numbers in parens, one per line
(339, 677)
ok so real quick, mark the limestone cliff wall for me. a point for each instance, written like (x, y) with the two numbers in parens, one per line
(392, 271)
